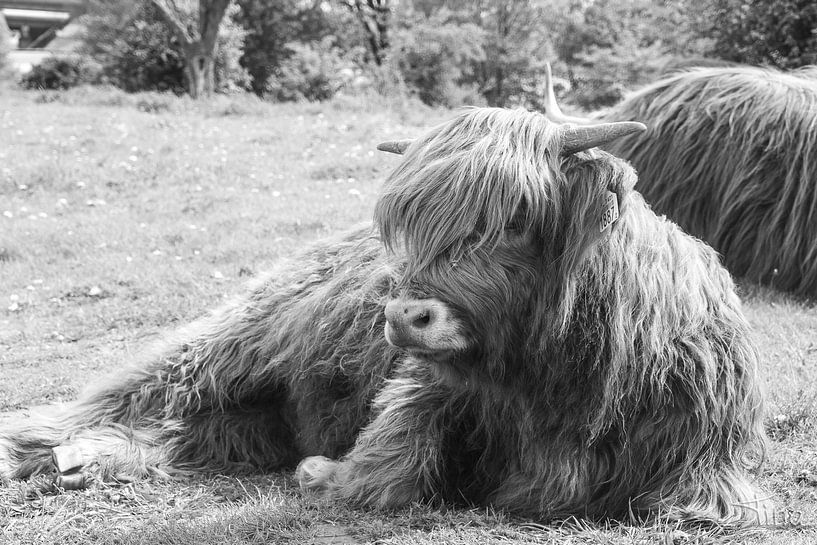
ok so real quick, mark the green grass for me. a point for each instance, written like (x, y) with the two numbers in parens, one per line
(125, 216)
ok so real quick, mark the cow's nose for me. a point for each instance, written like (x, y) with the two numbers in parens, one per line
(409, 318)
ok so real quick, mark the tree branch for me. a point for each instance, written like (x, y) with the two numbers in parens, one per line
(172, 19)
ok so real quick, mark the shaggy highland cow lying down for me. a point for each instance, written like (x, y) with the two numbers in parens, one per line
(731, 155)
(542, 353)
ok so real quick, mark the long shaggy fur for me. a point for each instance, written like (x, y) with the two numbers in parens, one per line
(607, 373)
(731, 155)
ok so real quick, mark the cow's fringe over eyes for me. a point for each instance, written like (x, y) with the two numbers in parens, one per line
(731, 155)
(466, 182)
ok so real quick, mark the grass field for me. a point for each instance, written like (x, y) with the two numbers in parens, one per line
(123, 217)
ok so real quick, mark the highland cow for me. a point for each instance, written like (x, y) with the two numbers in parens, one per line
(731, 155)
(518, 329)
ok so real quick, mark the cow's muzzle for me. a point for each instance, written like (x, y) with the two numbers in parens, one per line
(423, 326)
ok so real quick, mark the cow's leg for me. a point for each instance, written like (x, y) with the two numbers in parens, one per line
(397, 458)
(191, 403)
(235, 439)
(233, 371)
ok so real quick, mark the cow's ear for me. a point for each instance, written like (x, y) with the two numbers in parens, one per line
(575, 138)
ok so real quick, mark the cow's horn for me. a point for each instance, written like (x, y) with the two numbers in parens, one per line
(552, 111)
(578, 138)
(395, 146)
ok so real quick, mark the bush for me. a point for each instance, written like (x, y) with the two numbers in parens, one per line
(607, 73)
(610, 46)
(61, 73)
(780, 33)
(135, 48)
(231, 76)
(271, 26)
(311, 72)
(138, 52)
(435, 58)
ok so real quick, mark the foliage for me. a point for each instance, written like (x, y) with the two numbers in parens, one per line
(604, 74)
(61, 73)
(517, 45)
(435, 57)
(604, 47)
(772, 32)
(451, 52)
(615, 45)
(230, 74)
(138, 52)
(500, 48)
(310, 72)
(135, 48)
(271, 26)
(374, 17)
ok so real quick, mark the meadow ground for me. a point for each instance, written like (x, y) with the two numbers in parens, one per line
(123, 217)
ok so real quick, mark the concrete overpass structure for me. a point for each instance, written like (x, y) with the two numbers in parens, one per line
(35, 22)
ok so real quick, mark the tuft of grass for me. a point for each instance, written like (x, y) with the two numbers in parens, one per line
(130, 215)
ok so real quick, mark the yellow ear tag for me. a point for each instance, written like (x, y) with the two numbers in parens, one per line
(610, 214)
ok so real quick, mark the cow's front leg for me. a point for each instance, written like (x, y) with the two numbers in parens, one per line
(397, 459)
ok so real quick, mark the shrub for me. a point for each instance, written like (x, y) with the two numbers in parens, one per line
(230, 75)
(607, 73)
(135, 48)
(311, 72)
(435, 57)
(271, 26)
(61, 73)
(780, 33)
(138, 52)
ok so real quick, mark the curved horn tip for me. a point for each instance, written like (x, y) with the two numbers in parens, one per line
(394, 146)
(577, 138)
(635, 126)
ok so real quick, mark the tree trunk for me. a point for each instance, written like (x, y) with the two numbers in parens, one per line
(200, 72)
(200, 47)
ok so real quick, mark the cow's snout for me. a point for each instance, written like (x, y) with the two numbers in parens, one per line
(407, 316)
(422, 324)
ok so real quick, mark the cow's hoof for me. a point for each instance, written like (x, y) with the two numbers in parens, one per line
(69, 460)
(71, 481)
(314, 472)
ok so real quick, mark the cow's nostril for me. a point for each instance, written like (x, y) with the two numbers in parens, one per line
(422, 320)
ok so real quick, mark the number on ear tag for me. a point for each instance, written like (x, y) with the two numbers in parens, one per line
(610, 214)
